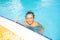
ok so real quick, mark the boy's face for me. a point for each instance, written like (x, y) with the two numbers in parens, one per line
(29, 19)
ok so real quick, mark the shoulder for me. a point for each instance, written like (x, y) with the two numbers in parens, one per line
(36, 23)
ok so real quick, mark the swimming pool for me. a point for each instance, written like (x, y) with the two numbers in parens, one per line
(46, 11)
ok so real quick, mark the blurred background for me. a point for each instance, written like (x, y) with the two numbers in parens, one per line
(47, 13)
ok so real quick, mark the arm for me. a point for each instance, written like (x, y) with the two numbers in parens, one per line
(41, 30)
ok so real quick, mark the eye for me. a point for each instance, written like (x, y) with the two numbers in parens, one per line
(31, 17)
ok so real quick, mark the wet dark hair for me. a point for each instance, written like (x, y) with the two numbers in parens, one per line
(29, 12)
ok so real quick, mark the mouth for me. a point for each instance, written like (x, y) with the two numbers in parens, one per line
(29, 22)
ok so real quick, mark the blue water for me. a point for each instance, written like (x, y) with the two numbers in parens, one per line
(47, 13)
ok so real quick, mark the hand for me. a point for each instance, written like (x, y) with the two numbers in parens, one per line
(17, 21)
